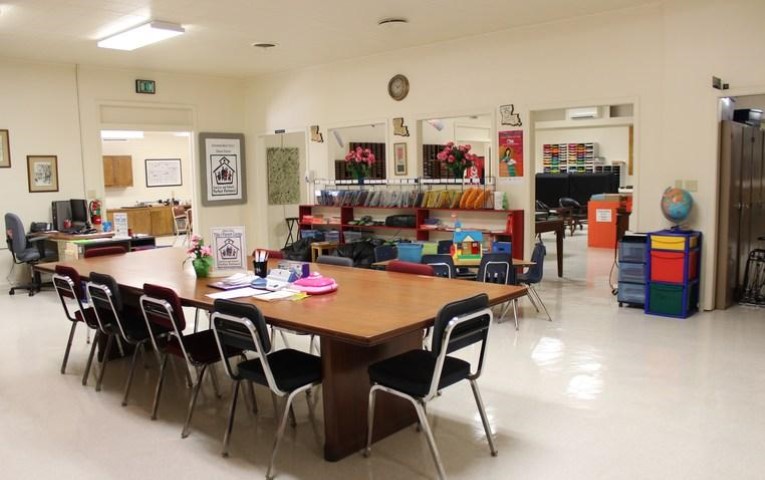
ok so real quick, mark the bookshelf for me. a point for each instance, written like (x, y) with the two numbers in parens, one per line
(570, 157)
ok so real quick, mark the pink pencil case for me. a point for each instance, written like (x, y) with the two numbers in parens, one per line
(315, 284)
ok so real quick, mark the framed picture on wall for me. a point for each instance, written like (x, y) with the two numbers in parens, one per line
(223, 169)
(42, 171)
(399, 158)
(5, 149)
(163, 172)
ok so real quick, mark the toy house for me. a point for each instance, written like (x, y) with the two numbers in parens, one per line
(467, 245)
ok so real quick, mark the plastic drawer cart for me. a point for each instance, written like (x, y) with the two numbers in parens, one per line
(674, 263)
(632, 270)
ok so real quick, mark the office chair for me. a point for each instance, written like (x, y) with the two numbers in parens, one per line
(419, 375)
(68, 285)
(335, 260)
(286, 372)
(498, 268)
(162, 310)
(25, 250)
(534, 276)
(578, 212)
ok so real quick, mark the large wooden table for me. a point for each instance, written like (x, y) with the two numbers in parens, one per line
(372, 316)
(558, 226)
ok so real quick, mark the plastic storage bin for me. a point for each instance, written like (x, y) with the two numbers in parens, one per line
(673, 300)
(429, 248)
(632, 252)
(674, 242)
(632, 293)
(631, 273)
(669, 267)
(350, 237)
(410, 252)
(502, 247)
(332, 236)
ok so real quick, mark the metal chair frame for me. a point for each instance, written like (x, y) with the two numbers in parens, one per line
(420, 403)
(162, 308)
(272, 385)
(513, 302)
(449, 267)
(64, 287)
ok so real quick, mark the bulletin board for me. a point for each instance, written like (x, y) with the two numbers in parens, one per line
(163, 172)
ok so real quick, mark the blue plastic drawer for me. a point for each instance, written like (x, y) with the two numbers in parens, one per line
(632, 272)
(632, 252)
(631, 293)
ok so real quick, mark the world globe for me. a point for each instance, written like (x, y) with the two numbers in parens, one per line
(676, 204)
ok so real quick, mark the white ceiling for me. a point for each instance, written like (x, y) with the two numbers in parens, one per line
(219, 33)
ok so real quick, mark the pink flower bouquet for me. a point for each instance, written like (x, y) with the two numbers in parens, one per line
(359, 161)
(457, 158)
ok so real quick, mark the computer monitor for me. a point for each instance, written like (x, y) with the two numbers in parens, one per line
(61, 212)
(79, 212)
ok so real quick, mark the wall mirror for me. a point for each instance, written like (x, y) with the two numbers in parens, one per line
(342, 140)
(473, 130)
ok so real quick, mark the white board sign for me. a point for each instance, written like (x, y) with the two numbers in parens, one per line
(163, 172)
(229, 248)
(121, 227)
(603, 215)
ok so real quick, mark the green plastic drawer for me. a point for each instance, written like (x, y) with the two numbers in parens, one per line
(666, 299)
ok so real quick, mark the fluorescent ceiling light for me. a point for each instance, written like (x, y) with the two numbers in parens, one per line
(120, 134)
(142, 35)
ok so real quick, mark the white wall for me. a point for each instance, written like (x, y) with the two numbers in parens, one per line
(661, 57)
(613, 143)
(38, 106)
(152, 145)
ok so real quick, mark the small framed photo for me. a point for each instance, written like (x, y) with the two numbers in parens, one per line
(43, 173)
(5, 149)
(399, 156)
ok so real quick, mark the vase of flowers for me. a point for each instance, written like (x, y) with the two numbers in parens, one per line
(200, 256)
(457, 158)
(359, 161)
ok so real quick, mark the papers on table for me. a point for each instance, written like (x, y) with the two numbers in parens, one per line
(237, 293)
(283, 294)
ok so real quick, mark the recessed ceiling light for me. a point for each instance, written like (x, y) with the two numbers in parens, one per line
(265, 45)
(392, 22)
(142, 35)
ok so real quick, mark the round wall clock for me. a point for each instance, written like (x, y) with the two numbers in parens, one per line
(398, 87)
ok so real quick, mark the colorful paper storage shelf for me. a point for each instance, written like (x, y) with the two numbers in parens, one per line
(674, 260)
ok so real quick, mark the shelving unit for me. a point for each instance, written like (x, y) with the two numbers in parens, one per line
(513, 219)
(632, 270)
(570, 157)
(673, 270)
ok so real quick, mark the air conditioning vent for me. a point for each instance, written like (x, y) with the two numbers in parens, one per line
(586, 113)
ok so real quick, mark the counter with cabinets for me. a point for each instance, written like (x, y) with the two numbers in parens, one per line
(156, 221)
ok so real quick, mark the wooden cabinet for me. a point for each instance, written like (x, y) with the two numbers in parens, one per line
(118, 171)
(154, 221)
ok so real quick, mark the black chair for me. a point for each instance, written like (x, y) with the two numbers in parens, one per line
(335, 260)
(419, 375)
(542, 210)
(498, 268)
(444, 246)
(286, 372)
(578, 212)
(68, 285)
(116, 318)
(443, 265)
(162, 310)
(25, 251)
(384, 253)
(534, 276)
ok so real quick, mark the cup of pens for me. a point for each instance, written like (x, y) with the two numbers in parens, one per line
(260, 263)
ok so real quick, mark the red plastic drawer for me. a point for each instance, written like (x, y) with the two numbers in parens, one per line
(667, 266)
(693, 268)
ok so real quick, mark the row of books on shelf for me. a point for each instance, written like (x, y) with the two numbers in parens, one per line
(471, 198)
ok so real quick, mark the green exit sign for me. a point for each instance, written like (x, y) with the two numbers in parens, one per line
(145, 86)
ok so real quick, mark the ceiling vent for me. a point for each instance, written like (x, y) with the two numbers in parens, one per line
(586, 113)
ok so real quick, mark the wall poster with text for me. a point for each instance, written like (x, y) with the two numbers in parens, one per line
(222, 160)
(510, 153)
(229, 248)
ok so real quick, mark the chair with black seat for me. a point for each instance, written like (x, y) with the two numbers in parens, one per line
(162, 310)
(68, 285)
(542, 210)
(578, 212)
(534, 276)
(498, 268)
(117, 318)
(443, 265)
(104, 251)
(384, 253)
(286, 372)
(335, 260)
(419, 375)
(25, 251)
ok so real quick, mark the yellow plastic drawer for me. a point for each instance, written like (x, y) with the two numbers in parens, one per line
(671, 242)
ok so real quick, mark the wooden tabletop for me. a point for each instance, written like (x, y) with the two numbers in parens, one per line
(68, 237)
(369, 307)
(467, 263)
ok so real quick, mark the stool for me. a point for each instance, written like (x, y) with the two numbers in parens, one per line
(318, 248)
(293, 231)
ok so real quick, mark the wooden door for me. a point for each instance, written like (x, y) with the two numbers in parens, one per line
(108, 171)
(162, 221)
(139, 220)
(123, 172)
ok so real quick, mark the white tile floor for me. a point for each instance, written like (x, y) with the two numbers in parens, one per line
(599, 393)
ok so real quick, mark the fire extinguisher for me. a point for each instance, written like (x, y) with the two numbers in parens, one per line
(95, 212)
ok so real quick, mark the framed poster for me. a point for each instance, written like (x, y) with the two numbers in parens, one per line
(121, 226)
(399, 158)
(223, 169)
(163, 172)
(42, 171)
(510, 153)
(229, 249)
(5, 149)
